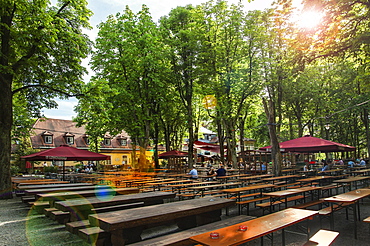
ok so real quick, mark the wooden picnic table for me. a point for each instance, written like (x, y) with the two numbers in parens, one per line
(361, 172)
(17, 182)
(202, 188)
(256, 228)
(50, 189)
(179, 187)
(260, 188)
(43, 183)
(81, 208)
(351, 181)
(285, 177)
(282, 196)
(103, 193)
(158, 185)
(350, 198)
(57, 185)
(126, 226)
(248, 179)
(332, 172)
(314, 179)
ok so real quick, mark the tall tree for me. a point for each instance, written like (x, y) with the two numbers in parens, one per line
(229, 52)
(131, 58)
(182, 40)
(41, 51)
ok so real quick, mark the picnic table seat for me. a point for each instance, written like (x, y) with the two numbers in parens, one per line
(270, 205)
(117, 207)
(182, 237)
(309, 204)
(74, 226)
(39, 206)
(322, 238)
(328, 211)
(247, 202)
(94, 235)
(60, 216)
(27, 199)
(367, 220)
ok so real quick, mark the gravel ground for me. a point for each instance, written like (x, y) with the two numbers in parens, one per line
(20, 226)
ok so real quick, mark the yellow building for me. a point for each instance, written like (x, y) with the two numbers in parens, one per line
(51, 133)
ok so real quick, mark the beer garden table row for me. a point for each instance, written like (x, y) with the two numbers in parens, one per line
(116, 222)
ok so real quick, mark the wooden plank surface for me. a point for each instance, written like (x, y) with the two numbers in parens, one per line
(94, 202)
(256, 228)
(157, 213)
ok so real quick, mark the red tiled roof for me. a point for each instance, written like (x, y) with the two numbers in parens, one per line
(61, 128)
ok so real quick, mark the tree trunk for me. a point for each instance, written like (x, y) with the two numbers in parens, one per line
(275, 146)
(6, 121)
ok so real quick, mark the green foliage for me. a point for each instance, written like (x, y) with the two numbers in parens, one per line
(51, 169)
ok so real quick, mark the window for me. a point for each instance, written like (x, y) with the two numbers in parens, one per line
(123, 141)
(87, 140)
(70, 140)
(124, 160)
(106, 141)
(48, 139)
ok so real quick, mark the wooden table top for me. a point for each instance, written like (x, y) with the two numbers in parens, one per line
(50, 189)
(281, 177)
(282, 193)
(196, 183)
(315, 178)
(148, 215)
(24, 180)
(87, 193)
(94, 202)
(256, 228)
(361, 171)
(203, 187)
(43, 183)
(58, 185)
(351, 179)
(349, 197)
(248, 188)
(255, 177)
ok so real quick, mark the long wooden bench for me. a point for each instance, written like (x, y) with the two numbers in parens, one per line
(93, 235)
(328, 211)
(117, 207)
(182, 237)
(246, 203)
(322, 238)
(270, 205)
(309, 204)
(246, 195)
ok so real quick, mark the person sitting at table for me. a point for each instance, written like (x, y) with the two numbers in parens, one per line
(325, 167)
(221, 171)
(194, 173)
(351, 164)
(211, 173)
(362, 162)
(263, 167)
(306, 167)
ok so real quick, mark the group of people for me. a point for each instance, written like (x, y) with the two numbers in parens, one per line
(328, 164)
(211, 172)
